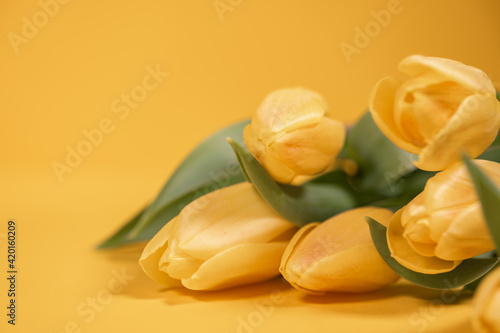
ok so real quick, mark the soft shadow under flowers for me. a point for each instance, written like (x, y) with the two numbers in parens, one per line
(143, 288)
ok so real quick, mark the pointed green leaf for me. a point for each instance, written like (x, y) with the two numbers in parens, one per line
(489, 195)
(465, 273)
(210, 166)
(382, 165)
(473, 285)
(299, 204)
(410, 186)
(165, 214)
(211, 162)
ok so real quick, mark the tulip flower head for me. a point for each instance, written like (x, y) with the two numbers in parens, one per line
(235, 239)
(444, 224)
(338, 255)
(292, 136)
(443, 109)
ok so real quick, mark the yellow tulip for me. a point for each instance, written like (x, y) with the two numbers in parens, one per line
(445, 108)
(486, 312)
(338, 255)
(227, 238)
(444, 224)
(292, 136)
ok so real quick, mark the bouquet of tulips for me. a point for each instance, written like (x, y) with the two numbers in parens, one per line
(410, 191)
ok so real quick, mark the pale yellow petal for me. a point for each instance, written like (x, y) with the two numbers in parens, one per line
(239, 265)
(289, 109)
(292, 136)
(424, 105)
(382, 111)
(252, 141)
(336, 234)
(471, 130)
(310, 149)
(292, 272)
(276, 169)
(403, 253)
(449, 189)
(152, 253)
(466, 237)
(441, 221)
(418, 236)
(176, 263)
(471, 77)
(316, 243)
(227, 217)
(355, 270)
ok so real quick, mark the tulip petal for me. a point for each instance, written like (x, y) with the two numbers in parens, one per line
(275, 167)
(356, 270)
(233, 215)
(382, 111)
(418, 237)
(176, 263)
(471, 130)
(321, 258)
(152, 253)
(447, 190)
(291, 273)
(472, 78)
(467, 236)
(485, 315)
(239, 265)
(254, 142)
(425, 104)
(289, 109)
(310, 149)
(403, 253)
(464, 274)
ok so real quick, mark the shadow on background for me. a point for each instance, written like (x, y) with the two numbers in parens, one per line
(367, 303)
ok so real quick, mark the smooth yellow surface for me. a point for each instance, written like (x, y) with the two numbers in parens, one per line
(70, 75)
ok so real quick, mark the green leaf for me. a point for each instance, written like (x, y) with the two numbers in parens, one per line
(489, 195)
(311, 202)
(409, 187)
(165, 214)
(210, 166)
(473, 285)
(465, 273)
(382, 165)
(210, 161)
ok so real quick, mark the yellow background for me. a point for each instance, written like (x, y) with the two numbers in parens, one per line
(66, 76)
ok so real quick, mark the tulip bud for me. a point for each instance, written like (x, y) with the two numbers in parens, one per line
(292, 136)
(444, 109)
(486, 314)
(444, 224)
(338, 255)
(226, 238)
